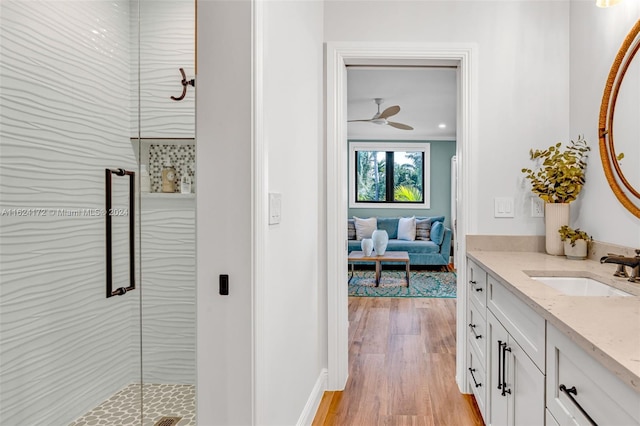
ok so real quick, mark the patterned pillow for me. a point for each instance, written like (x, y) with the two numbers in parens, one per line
(351, 229)
(423, 229)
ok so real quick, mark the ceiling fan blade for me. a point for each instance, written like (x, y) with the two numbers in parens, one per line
(392, 110)
(399, 125)
(351, 121)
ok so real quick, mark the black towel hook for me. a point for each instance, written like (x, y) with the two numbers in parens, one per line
(184, 83)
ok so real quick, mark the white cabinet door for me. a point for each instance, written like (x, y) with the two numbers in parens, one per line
(497, 398)
(516, 385)
(526, 384)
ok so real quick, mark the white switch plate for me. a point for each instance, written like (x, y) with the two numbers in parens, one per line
(275, 207)
(537, 207)
(503, 207)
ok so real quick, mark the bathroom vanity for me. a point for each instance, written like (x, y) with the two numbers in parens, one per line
(541, 351)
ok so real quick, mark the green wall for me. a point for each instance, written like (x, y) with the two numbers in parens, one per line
(439, 181)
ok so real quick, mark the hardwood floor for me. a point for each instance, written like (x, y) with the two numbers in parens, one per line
(401, 367)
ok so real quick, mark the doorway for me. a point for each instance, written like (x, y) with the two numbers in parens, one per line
(339, 56)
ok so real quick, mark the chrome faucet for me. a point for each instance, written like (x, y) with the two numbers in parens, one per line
(622, 261)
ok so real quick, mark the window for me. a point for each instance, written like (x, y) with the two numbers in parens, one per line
(389, 175)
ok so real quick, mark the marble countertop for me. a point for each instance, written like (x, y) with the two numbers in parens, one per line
(608, 328)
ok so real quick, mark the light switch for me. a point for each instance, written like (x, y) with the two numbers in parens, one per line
(275, 203)
(503, 207)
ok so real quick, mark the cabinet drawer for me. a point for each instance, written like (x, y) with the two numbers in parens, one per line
(520, 321)
(477, 280)
(606, 399)
(477, 332)
(476, 378)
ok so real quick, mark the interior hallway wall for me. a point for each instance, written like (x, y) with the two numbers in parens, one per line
(522, 85)
(293, 314)
(290, 304)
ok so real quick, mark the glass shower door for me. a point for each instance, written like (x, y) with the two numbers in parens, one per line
(97, 264)
(67, 108)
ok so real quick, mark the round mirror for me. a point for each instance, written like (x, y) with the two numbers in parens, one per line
(619, 125)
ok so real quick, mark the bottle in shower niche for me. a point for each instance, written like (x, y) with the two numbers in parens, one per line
(168, 177)
(145, 179)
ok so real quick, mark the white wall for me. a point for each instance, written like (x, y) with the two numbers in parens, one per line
(64, 93)
(596, 36)
(523, 88)
(224, 213)
(293, 315)
(290, 297)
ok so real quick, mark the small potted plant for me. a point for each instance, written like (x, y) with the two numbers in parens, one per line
(576, 242)
(558, 180)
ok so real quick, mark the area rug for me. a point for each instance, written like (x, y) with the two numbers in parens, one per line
(393, 284)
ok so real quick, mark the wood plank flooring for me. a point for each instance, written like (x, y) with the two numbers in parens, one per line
(401, 367)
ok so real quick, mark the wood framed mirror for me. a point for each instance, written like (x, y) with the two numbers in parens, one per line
(620, 138)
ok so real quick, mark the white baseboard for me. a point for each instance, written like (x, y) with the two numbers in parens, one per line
(310, 408)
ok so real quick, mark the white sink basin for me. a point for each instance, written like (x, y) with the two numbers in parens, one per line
(581, 286)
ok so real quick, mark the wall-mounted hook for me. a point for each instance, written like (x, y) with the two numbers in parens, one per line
(184, 83)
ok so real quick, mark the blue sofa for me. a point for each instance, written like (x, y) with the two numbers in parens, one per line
(420, 252)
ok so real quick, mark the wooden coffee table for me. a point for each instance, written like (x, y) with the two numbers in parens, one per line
(389, 256)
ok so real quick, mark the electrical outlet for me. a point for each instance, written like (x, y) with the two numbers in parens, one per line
(537, 207)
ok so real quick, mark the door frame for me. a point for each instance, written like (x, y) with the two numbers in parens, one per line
(338, 56)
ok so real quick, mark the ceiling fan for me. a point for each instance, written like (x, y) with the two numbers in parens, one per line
(381, 117)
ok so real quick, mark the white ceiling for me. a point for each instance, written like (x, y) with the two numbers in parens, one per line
(426, 96)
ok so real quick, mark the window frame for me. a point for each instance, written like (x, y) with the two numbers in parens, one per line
(386, 146)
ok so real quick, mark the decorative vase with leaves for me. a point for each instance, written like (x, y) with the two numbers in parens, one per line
(576, 242)
(558, 179)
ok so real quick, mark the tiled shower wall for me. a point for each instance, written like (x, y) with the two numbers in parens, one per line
(167, 44)
(65, 108)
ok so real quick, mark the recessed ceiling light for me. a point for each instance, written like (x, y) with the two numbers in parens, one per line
(442, 125)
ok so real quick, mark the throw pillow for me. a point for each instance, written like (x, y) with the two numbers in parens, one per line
(351, 229)
(365, 227)
(389, 224)
(423, 229)
(437, 233)
(407, 228)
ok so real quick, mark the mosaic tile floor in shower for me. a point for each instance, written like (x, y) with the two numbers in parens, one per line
(123, 408)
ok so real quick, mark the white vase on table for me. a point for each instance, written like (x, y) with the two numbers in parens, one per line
(367, 246)
(380, 240)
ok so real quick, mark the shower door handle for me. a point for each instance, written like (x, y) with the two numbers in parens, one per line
(108, 223)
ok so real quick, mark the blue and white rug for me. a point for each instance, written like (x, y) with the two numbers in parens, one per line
(393, 284)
